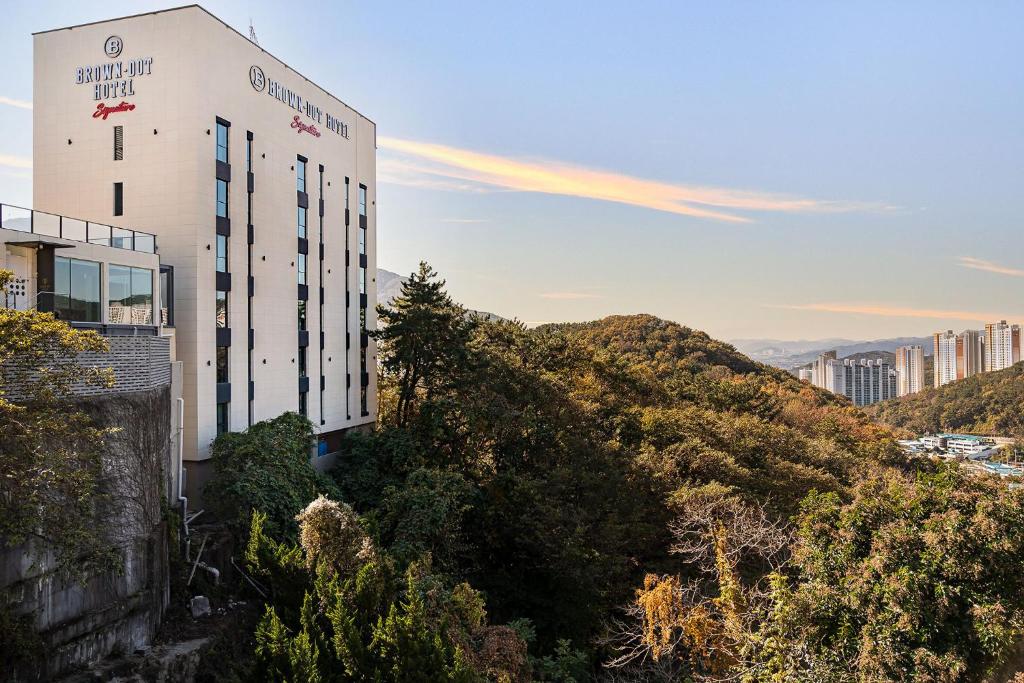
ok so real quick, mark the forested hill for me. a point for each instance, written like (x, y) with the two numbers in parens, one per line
(660, 345)
(626, 499)
(990, 403)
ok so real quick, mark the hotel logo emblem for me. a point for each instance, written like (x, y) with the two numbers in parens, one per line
(256, 77)
(113, 46)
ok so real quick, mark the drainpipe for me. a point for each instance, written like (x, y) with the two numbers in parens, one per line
(181, 465)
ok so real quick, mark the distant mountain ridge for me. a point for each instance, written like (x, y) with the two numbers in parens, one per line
(389, 286)
(790, 355)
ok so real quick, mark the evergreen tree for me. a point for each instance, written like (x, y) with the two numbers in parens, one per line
(423, 339)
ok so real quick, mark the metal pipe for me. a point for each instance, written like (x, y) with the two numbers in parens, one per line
(181, 464)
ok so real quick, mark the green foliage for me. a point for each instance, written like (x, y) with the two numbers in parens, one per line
(541, 464)
(423, 340)
(365, 622)
(50, 467)
(990, 403)
(266, 468)
(917, 580)
(20, 645)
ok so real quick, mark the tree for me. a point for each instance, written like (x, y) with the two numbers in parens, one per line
(266, 468)
(423, 339)
(915, 579)
(50, 450)
(359, 620)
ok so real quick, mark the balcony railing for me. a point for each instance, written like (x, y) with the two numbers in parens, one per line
(53, 225)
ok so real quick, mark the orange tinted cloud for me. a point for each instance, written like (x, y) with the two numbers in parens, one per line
(988, 266)
(898, 311)
(417, 162)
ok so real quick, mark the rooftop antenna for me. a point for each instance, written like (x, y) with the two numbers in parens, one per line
(252, 32)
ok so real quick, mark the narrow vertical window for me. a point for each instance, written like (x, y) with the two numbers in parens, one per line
(301, 222)
(222, 254)
(362, 200)
(222, 418)
(300, 175)
(222, 364)
(302, 314)
(222, 308)
(346, 194)
(222, 198)
(118, 199)
(302, 361)
(222, 142)
(302, 268)
(118, 143)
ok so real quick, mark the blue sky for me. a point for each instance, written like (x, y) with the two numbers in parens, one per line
(790, 170)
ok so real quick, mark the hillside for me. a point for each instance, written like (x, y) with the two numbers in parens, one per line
(610, 500)
(990, 403)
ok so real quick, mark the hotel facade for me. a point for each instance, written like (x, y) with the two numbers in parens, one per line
(258, 188)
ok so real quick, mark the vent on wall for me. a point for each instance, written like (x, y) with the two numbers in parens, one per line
(118, 143)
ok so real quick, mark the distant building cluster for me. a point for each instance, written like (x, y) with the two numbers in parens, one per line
(978, 454)
(956, 356)
(862, 381)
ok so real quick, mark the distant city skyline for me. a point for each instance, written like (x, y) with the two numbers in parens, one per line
(806, 171)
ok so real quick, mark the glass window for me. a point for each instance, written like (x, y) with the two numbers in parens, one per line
(118, 199)
(248, 154)
(301, 221)
(76, 290)
(302, 314)
(222, 253)
(346, 194)
(302, 404)
(222, 364)
(302, 361)
(362, 280)
(300, 176)
(362, 200)
(142, 296)
(222, 418)
(222, 309)
(129, 295)
(362, 401)
(222, 142)
(302, 269)
(222, 198)
(362, 241)
(119, 295)
(167, 295)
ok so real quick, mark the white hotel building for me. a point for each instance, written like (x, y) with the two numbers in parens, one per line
(260, 189)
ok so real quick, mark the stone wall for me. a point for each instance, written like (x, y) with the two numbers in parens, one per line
(81, 622)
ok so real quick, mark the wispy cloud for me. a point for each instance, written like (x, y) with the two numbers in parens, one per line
(15, 161)
(570, 296)
(896, 311)
(11, 102)
(988, 266)
(420, 162)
